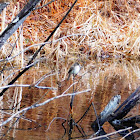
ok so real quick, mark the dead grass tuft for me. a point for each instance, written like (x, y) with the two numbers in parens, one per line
(93, 29)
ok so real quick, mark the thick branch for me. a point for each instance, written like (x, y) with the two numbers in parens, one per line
(36, 53)
(17, 21)
(3, 5)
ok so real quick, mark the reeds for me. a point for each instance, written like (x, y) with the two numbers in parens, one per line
(93, 28)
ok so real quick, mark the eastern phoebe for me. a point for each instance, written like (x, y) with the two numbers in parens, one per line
(74, 69)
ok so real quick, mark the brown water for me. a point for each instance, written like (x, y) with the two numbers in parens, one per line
(105, 79)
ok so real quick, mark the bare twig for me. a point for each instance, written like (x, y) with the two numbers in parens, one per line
(41, 104)
(113, 133)
(69, 88)
(41, 87)
(44, 5)
(38, 44)
(130, 133)
(22, 69)
(53, 120)
(36, 53)
(42, 78)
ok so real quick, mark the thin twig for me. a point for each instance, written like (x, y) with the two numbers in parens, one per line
(113, 133)
(96, 116)
(69, 88)
(130, 133)
(44, 43)
(36, 53)
(41, 104)
(53, 120)
(44, 5)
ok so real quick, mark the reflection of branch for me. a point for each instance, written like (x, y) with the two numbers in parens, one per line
(126, 106)
(114, 117)
(41, 87)
(108, 111)
(41, 104)
(53, 120)
(17, 119)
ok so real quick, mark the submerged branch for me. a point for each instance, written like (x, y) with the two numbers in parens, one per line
(109, 109)
(126, 106)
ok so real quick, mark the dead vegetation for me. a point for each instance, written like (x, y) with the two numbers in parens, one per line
(97, 30)
(93, 29)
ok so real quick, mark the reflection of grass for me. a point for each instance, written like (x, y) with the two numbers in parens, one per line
(92, 30)
(105, 28)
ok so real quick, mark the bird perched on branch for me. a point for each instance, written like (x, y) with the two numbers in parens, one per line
(74, 69)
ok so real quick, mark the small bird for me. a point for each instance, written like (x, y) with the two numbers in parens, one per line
(74, 69)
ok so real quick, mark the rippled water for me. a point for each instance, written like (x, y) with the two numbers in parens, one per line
(104, 80)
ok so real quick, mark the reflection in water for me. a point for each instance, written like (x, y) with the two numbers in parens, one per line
(104, 79)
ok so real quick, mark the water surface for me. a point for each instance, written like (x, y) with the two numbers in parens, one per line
(104, 79)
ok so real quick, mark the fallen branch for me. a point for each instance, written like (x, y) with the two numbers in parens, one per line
(109, 109)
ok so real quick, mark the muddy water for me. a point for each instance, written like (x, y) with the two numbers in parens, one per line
(104, 79)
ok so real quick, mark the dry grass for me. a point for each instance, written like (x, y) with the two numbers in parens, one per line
(97, 30)
(94, 29)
